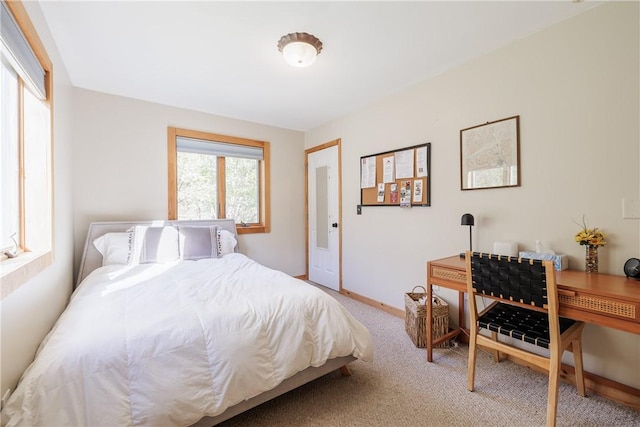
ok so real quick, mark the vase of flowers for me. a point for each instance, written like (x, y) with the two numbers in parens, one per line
(592, 238)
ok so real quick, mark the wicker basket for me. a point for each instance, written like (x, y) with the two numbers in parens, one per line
(415, 319)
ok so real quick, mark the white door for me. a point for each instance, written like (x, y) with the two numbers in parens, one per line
(324, 217)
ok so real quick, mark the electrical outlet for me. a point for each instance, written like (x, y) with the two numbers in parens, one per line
(359, 210)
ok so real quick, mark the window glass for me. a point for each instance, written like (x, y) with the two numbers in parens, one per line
(37, 185)
(9, 159)
(243, 190)
(197, 186)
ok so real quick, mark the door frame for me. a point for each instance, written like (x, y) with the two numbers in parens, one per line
(335, 142)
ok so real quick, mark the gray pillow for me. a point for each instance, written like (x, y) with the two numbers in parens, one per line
(198, 242)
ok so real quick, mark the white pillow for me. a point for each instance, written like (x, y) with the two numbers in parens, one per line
(153, 245)
(114, 248)
(226, 242)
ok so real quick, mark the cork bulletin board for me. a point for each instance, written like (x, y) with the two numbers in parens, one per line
(397, 178)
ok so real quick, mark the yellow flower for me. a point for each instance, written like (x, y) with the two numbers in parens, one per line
(590, 236)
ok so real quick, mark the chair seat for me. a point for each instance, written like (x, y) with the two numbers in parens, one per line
(522, 324)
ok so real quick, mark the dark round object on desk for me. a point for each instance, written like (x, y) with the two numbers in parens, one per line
(632, 268)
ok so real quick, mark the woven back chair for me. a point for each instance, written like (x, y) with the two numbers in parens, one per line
(525, 308)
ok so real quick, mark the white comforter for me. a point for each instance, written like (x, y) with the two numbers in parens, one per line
(168, 344)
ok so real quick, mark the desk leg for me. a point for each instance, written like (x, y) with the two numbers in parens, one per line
(429, 323)
(461, 324)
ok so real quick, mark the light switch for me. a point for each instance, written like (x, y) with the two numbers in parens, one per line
(630, 208)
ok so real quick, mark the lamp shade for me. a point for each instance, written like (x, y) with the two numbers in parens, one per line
(299, 49)
(467, 219)
(299, 54)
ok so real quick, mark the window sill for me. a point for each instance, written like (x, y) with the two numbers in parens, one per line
(17, 271)
(251, 229)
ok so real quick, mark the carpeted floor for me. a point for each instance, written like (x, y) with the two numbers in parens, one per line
(400, 388)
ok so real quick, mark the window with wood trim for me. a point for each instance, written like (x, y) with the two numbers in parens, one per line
(219, 176)
(26, 147)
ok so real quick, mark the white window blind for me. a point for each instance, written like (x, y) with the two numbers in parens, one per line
(221, 149)
(16, 50)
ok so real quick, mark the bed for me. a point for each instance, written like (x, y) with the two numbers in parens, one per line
(154, 338)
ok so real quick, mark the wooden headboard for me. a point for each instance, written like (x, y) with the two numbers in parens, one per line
(92, 259)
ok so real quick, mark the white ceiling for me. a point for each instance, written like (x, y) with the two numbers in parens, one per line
(221, 57)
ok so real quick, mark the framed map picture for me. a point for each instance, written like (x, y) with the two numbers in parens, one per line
(490, 155)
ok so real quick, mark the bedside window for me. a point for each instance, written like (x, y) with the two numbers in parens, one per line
(26, 175)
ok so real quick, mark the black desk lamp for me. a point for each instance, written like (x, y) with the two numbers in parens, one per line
(467, 219)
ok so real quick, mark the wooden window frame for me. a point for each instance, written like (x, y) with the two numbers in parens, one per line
(264, 187)
(19, 270)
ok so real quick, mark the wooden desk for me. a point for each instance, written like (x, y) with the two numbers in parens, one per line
(602, 299)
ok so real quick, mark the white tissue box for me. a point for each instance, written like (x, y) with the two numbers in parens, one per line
(560, 262)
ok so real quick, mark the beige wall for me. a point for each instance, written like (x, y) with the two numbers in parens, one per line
(27, 314)
(575, 87)
(120, 160)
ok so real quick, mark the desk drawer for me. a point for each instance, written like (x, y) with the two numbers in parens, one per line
(448, 274)
(600, 305)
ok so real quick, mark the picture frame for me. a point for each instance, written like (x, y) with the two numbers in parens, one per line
(490, 155)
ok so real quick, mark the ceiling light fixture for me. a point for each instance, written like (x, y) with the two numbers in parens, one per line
(299, 49)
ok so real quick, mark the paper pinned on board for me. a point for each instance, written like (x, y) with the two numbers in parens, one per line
(380, 192)
(422, 161)
(417, 191)
(388, 172)
(368, 172)
(404, 164)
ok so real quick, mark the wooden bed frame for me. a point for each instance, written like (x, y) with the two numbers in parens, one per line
(92, 259)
